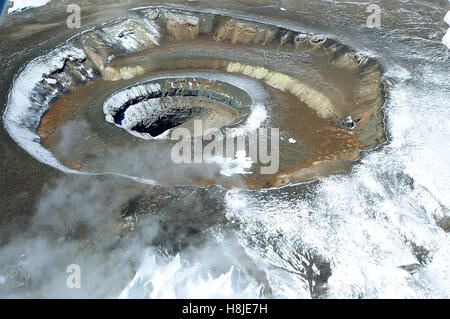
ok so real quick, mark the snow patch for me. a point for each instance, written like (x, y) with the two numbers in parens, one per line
(231, 166)
(178, 279)
(22, 5)
(22, 116)
(446, 39)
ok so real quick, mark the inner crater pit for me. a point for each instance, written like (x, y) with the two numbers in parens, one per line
(152, 108)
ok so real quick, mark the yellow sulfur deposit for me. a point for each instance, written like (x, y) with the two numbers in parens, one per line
(307, 94)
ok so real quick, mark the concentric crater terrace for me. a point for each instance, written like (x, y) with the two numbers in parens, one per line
(120, 89)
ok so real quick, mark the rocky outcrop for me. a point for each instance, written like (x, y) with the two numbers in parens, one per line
(133, 36)
(245, 32)
(444, 223)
